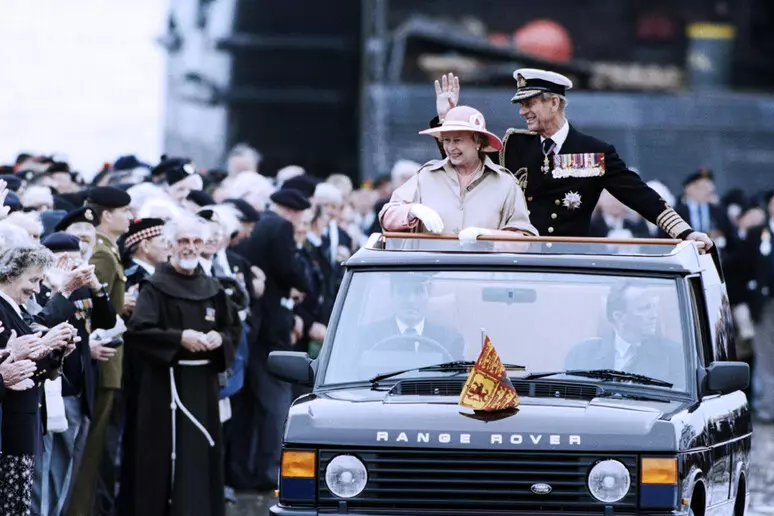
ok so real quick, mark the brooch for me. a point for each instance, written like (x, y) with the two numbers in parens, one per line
(572, 200)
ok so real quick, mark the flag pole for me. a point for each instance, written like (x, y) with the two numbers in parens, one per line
(483, 338)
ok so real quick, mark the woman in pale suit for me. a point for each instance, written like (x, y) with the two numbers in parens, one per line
(466, 193)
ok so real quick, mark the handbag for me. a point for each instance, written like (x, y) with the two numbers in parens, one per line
(56, 420)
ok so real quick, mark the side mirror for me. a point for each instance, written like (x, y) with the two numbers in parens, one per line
(726, 377)
(291, 367)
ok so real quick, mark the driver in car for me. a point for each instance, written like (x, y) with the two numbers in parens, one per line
(635, 345)
(408, 329)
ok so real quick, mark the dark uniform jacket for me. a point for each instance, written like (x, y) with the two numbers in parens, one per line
(86, 311)
(562, 201)
(755, 264)
(110, 272)
(24, 412)
(271, 247)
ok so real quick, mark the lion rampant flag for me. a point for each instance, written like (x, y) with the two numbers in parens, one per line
(488, 387)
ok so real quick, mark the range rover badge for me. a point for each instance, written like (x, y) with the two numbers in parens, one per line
(540, 489)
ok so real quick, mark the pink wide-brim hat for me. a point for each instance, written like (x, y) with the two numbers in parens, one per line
(466, 118)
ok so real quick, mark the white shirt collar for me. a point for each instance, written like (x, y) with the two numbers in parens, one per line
(150, 269)
(222, 260)
(13, 303)
(420, 326)
(206, 265)
(314, 239)
(560, 136)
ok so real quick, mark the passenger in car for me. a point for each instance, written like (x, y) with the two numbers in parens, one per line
(635, 345)
(466, 193)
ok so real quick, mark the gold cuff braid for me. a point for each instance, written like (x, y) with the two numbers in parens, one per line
(672, 223)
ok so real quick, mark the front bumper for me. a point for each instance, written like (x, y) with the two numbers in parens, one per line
(278, 510)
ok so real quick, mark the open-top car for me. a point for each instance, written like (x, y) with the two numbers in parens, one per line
(621, 353)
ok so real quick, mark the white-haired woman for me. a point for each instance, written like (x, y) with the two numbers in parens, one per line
(21, 271)
(180, 336)
(466, 193)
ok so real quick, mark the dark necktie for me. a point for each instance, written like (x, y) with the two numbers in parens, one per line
(548, 153)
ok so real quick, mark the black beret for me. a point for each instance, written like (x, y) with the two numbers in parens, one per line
(82, 214)
(143, 229)
(303, 183)
(208, 214)
(58, 166)
(109, 197)
(248, 213)
(129, 162)
(173, 169)
(702, 173)
(290, 198)
(59, 242)
(12, 200)
(200, 198)
(13, 182)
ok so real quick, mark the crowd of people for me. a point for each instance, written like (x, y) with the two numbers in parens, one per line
(138, 309)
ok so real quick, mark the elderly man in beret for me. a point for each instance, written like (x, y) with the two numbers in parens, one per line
(111, 209)
(70, 292)
(561, 170)
(259, 409)
(81, 223)
(143, 249)
(178, 176)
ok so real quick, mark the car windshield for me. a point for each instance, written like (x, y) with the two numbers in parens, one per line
(397, 320)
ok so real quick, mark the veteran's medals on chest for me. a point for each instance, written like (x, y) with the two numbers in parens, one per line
(589, 164)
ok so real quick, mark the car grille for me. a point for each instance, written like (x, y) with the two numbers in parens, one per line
(542, 389)
(432, 481)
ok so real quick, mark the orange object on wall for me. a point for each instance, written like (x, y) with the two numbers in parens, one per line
(545, 39)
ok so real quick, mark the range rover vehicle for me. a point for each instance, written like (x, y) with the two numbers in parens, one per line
(621, 353)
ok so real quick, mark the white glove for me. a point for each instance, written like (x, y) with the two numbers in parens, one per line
(470, 235)
(428, 216)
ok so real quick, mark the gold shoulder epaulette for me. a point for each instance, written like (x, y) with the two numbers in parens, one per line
(508, 133)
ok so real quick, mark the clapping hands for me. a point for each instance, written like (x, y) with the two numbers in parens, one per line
(197, 341)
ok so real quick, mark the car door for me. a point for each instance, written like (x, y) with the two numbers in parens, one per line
(712, 305)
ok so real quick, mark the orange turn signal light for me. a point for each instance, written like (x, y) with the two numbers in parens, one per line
(659, 470)
(298, 464)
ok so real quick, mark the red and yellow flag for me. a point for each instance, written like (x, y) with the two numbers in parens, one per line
(488, 387)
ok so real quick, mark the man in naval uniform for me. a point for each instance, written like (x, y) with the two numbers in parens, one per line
(111, 208)
(561, 170)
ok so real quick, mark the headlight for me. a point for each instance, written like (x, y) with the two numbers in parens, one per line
(346, 476)
(609, 481)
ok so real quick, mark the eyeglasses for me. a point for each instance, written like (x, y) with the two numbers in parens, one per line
(187, 241)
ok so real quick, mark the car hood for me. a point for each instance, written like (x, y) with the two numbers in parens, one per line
(362, 417)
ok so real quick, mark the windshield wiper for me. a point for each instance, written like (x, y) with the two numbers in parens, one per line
(602, 374)
(457, 365)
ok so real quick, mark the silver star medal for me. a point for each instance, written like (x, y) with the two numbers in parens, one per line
(572, 200)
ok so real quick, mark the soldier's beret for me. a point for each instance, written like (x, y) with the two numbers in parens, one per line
(246, 210)
(200, 198)
(60, 242)
(108, 196)
(82, 214)
(303, 183)
(58, 166)
(129, 162)
(290, 198)
(143, 229)
(702, 173)
(173, 169)
(13, 182)
(12, 200)
(208, 214)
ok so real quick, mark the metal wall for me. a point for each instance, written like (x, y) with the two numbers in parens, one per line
(664, 136)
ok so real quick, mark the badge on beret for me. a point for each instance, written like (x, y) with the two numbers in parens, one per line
(189, 168)
(521, 82)
(88, 215)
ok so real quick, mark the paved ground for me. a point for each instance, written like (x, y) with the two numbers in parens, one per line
(761, 484)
